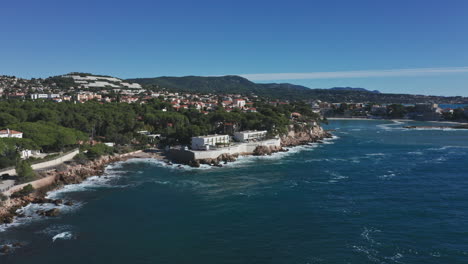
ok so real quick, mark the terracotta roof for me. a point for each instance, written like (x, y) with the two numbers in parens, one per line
(11, 132)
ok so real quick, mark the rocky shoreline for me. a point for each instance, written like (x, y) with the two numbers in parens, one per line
(296, 136)
(77, 173)
(73, 174)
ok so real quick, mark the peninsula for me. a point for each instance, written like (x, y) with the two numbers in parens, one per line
(86, 122)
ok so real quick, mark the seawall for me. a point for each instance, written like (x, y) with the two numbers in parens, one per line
(188, 156)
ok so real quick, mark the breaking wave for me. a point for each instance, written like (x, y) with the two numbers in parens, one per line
(63, 236)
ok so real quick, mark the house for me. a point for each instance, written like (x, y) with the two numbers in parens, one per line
(239, 103)
(26, 153)
(7, 133)
(207, 142)
(250, 135)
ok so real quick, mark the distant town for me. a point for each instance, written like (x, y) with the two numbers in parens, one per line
(62, 129)
(81, 87)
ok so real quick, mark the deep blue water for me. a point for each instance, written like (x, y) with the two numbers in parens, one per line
(376, 194)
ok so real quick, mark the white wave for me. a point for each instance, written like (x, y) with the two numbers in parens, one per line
(376, 154)
(241, 161)
(370, 253)
(335, 176)
(30, 215)
(390, 174)
(90, 184)
(392, 126)
(447, 129)
(63, 236)
(415, 153)
(330, 140)
(366, 234)
(449, 147)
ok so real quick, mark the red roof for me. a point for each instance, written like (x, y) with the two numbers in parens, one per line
(11, 132)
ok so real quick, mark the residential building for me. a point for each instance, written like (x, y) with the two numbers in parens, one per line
(7, 133)
(210, 141)
(239, 103)
(250, 135)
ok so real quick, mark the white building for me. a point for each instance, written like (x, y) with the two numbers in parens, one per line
(239, 103)
(44, 96)
(7, 133)
(206, 142)
(39, 96)
(27, 153)
(246, 136)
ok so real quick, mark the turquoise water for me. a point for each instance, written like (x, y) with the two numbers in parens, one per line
(376, 194)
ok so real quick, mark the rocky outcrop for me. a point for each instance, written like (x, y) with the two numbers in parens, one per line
(50, 213)
(224, 158)
(265, 150)
(300, 134)
(72, 175)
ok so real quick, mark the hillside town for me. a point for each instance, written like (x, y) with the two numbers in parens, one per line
(80, 88)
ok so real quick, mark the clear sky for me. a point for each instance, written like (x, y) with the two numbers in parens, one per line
(334, 43)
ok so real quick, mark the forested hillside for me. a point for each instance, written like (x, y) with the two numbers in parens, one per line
(236, 84)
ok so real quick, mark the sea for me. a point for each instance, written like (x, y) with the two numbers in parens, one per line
(375, 193)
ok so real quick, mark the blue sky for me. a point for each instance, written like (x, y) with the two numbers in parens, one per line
(174, 38)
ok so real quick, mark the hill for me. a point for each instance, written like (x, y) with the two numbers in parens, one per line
(237, 85)
(353, 89)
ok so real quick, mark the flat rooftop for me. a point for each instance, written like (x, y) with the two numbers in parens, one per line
(252, 131)
(211, 136)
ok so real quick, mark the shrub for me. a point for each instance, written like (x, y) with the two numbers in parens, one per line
(81, 158)
(98, 150)
(23, 192)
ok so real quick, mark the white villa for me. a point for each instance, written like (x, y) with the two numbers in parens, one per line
(250, 135)
(7, 133)
(27, 153)
(205, 142)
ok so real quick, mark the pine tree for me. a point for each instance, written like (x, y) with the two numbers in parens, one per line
(24, 171)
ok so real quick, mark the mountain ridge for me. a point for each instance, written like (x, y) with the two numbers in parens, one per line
(235, 84)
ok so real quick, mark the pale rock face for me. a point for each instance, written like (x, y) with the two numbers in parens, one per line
(304, 135)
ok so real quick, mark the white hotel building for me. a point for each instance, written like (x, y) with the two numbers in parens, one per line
(250, 135)
(207, 142)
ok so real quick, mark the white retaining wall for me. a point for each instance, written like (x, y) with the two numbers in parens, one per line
(47, 164)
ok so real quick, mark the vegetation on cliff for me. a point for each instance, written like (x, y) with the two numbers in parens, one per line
(24, 171)
(59, 126)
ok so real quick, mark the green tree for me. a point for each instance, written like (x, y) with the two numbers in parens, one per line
(396, 111)
(7, 119)
(24, 171)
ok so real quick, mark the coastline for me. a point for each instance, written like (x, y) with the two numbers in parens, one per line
(396, 120)
(56, 180)
(78, 173)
